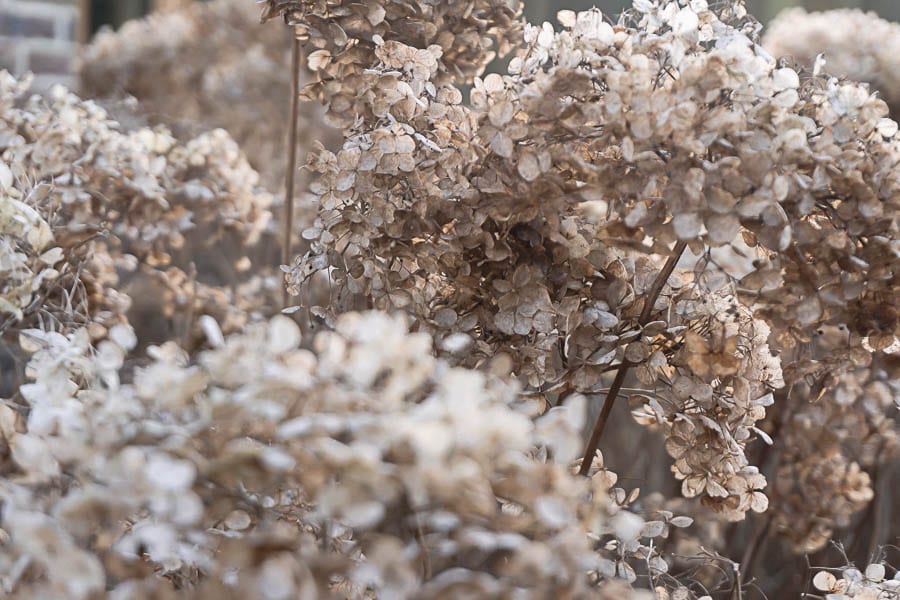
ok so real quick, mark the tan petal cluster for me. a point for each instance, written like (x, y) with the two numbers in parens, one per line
(833, 439)
(523, 220)
(56, 277)
(91, 212)
(210, 65)
(652, 209)
(864, 47)
(852, 584)
(343, 38)
(147, 188)
(709, 400)
(364, 465)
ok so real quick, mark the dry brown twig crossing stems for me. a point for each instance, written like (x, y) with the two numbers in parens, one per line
(644, 318)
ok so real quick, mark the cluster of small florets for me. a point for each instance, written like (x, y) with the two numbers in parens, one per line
(206, 66)
(85, 203)
(534, 220)
(460, 37)
(832, 440)
(853, 584)
(365, 466)
(657, 198)
(709, 400)
(690, 131)
(864, 48)
(147, 188)
(483, 222)
(49, 276)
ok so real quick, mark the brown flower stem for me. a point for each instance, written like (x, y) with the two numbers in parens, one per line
(882, 479)
(660, 282)
(600, 423)
(748, 562)
(191, 308)
(292, 162)
(646, 313)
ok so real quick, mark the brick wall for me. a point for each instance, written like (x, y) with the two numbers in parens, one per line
(39, 36)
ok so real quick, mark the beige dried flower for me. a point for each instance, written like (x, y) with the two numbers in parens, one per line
(208, 66)
(366, 464)
(864, 47)
(653, 207)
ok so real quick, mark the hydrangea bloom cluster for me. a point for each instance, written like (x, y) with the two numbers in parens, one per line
(831, 444)
(534, 219)
(864, 47)
(365, 465)
(518, 220)
(85, 202)
(854, 584)
(654, 207)
(207, 66)
(710, 406)
(147, 188)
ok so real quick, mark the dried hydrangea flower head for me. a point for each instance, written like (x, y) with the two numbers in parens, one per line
(576, 110)
(231, 470)
(98, 172)
(454, 38)
(709, 400)
(85, 201)
(210, 65)
(50, 276)
(864, 48)
(832, 441)
(477, 218)
(553, 238)
(852, 584)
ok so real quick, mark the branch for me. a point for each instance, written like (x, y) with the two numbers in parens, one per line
(748, 562)
(646, 313)
(292, 162)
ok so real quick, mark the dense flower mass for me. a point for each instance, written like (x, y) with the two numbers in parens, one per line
(833, 440)
(653, 209)
(524, 219)
(227, 464)
(88, 205)
(679, 141)
(207, 66)
(863, 48)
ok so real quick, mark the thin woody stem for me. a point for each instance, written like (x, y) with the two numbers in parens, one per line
(646, 314)
(292, 162)
(748, 562)
(594, 442)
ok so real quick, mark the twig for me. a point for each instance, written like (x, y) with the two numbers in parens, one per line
(660, 282)
(738, 593)
(652, 295)
(748, 562)
(292, 163)
(191, 308)
(881, 478)
(426, 556)
(600, 423)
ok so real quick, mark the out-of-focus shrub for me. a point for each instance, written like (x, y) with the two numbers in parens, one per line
(854, 44)
(212, 65)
